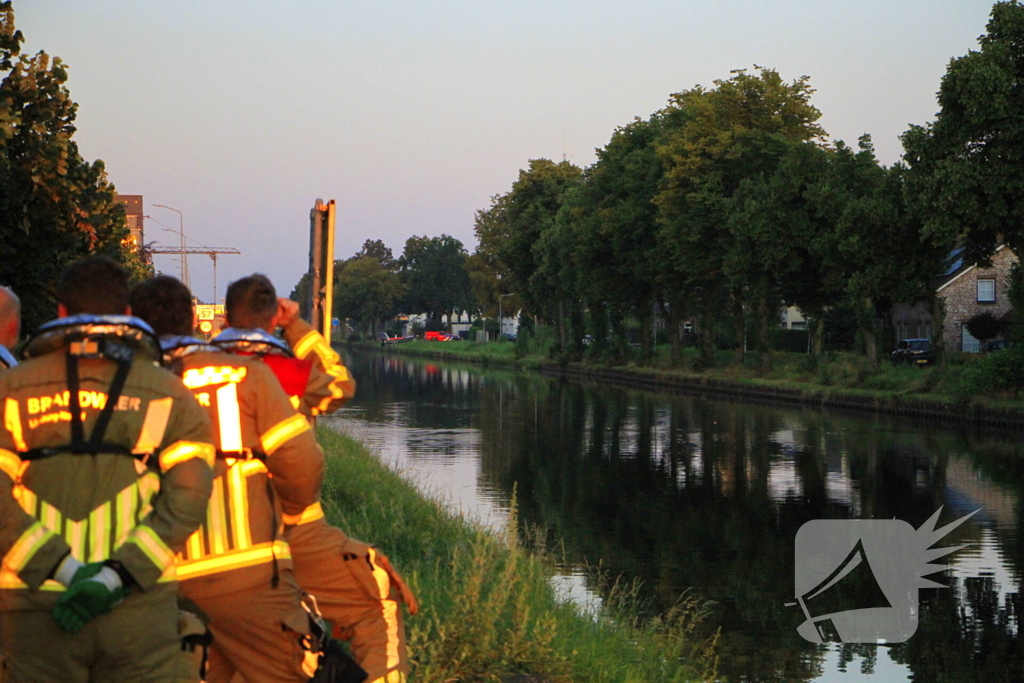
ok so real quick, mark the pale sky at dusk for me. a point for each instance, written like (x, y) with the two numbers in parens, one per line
(411, 115)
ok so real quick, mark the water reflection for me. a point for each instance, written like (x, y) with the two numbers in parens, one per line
(684, 492)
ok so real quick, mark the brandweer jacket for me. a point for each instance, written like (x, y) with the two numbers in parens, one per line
(136, 500)
(259, 436)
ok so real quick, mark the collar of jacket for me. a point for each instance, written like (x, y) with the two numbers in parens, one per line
(127, 329)
(251, 341)
(180, 345)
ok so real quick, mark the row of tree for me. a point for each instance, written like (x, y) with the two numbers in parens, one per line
(728, 204)
(54, 205)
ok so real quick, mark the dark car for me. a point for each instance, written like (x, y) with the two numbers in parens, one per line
(915, 351)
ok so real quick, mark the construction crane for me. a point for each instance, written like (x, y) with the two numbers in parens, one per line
(212, 252)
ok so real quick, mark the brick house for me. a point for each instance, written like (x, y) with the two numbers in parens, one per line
(975, 290)
(965, 291)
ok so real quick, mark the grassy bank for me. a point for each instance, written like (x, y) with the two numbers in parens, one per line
(487, 610)
(989, 380)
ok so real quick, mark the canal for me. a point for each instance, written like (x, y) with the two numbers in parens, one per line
(707, 495)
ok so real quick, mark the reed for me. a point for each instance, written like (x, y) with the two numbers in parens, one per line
(488, 611)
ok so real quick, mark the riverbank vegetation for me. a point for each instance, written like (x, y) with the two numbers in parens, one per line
(995, 379)
(487, 609)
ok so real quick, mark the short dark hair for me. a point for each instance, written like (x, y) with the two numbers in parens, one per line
(251, 302)
(165, 303)
(94, 284)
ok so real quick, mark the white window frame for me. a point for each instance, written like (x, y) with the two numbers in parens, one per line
(968, 344)
(988, 281)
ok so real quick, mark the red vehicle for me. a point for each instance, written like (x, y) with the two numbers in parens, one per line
(441, 336)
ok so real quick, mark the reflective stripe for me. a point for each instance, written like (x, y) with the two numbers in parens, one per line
(295, 401)
(27, 545)
(12, 421)
(10, 464)
(235, 559)
(194, 545)
(390, 609)
(99, 532)
(10, 581)
(238, 494)
(182, 451)
(284, 430)
(202, 377)
(152, 545)
(251, 467)
(126, 504)
(304, 345)
(149, 486)
(390, 677)
(49, 515)
(74, 535)
(154, 425)
(216, 521)
(310, 514)
(27, 499)
(229, 418)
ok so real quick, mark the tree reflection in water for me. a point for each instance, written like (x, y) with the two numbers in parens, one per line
(686, 492)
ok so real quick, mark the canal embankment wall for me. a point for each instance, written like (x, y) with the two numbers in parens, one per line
(972, 412)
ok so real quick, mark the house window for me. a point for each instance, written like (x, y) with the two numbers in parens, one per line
(968, 344)
(986, 291)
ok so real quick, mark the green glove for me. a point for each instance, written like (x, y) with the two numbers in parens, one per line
(93, 591)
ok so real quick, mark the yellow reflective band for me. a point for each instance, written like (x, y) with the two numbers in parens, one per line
(12, 421)
(310, 514)
(151, 545)
(235, 559)
(149, 486)
(10, 464)
(390, 609)
(216, 521)
(99, 533)
(250, 467)
(49, 515)
(27, 545)
(127, 505)
(304, 345)
(154, 425)
(229, 418)
(74, 535)
(391, 677)
(202, 377)
(194, 545)
(284, 430)
(27, 499)
(182, 451)
(238, 495)
(10, 581)
(295, 401)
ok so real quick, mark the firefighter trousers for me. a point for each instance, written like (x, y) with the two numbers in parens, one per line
(138, 641)
(257, 632)
(358, 592)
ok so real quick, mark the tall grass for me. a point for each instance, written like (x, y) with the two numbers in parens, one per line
(487, 609)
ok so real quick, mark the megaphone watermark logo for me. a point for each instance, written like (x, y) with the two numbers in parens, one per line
(857, 580)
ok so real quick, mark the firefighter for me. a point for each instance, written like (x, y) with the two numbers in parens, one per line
(10, 327)
(237, 568)
(105, 471)
(356, 587)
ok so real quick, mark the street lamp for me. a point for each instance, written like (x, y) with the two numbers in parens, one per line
(181, 232)
(501, 326)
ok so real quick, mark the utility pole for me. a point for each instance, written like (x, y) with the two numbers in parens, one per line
(321, 266)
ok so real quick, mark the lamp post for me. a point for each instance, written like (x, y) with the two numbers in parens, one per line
(501, 326)
(181, 232)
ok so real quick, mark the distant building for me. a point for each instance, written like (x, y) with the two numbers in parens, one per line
(133, 211)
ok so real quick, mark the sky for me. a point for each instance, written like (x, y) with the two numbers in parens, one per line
(412, 115)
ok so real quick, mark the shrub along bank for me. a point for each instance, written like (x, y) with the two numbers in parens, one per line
(487, 609)
(977, 387)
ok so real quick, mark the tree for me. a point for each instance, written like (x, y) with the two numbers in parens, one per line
(367, 292)
(973, 153)
(433, 270)
(54, 206)
(716, 139)
(376, 250)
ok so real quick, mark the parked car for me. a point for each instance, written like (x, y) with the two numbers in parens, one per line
(915, 351)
